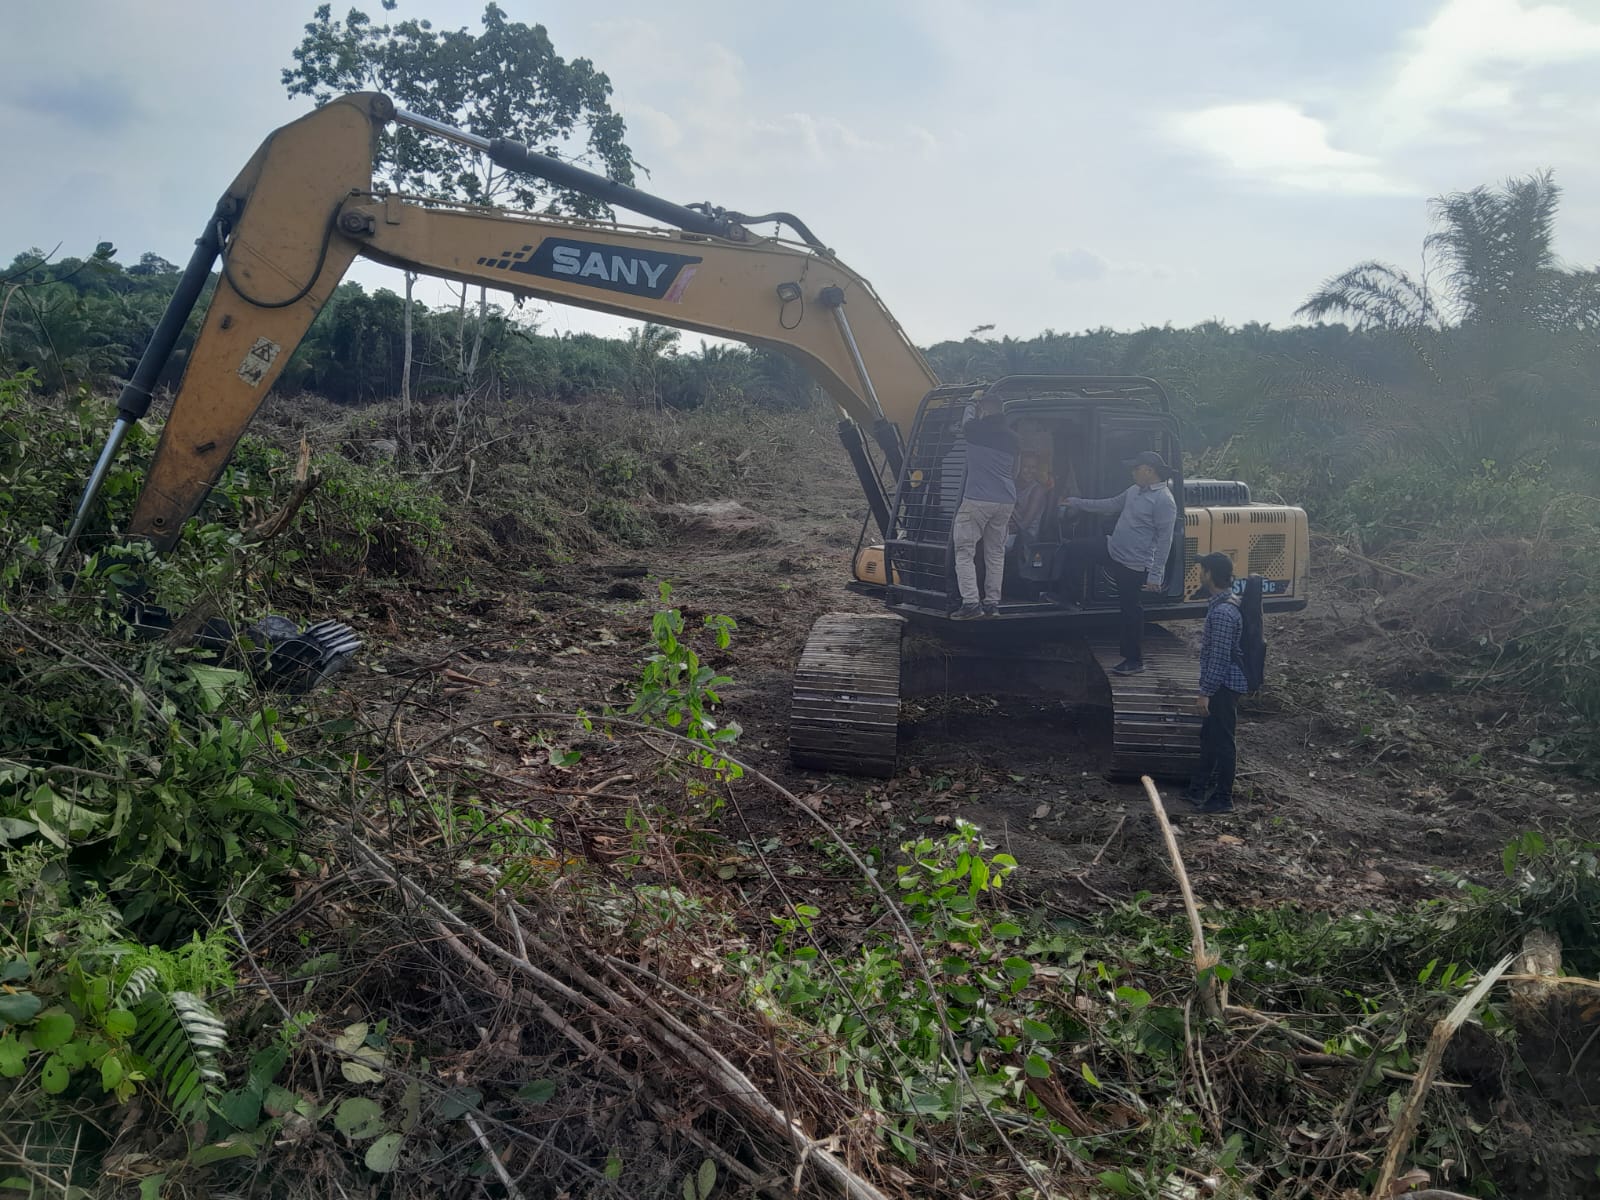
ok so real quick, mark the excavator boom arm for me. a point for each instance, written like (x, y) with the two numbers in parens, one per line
(304, 208)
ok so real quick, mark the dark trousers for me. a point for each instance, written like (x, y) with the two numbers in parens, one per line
(1219, 753)
(1083, 555)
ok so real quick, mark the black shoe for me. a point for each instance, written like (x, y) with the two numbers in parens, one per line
(1217, 804)
(967, 612)
(1128, 666)
(991, 610)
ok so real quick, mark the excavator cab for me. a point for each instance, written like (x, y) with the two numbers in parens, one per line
(1079, 430)
(854, 673)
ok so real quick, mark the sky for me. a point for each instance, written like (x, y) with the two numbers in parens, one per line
(1052, 164)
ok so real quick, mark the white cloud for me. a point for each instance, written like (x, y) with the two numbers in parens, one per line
(715, 118)
(1470, 58)
(1078, 265)
(1276, 142)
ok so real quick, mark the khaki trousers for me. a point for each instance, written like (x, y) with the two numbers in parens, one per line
(985, 521)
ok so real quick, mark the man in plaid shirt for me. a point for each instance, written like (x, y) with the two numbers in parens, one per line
(1222, 682)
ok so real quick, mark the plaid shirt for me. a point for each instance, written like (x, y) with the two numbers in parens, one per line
(1219, 647)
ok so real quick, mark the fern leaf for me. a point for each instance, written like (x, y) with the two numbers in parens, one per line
(133, 990)
(179, 1039)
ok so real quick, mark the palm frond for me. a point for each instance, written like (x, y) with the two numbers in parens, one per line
(1374, 295)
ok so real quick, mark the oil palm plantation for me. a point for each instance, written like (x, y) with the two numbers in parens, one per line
(1500, 367)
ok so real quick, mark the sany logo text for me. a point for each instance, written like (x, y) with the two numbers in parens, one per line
(653, 274)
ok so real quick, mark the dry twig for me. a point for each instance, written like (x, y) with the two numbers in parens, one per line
(1213, 996)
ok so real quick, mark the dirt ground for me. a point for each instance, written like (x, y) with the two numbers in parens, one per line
(1353, 792)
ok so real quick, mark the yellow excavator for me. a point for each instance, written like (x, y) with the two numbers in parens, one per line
(305, 206)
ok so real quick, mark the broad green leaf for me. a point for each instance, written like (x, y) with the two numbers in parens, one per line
(17, 1007)
(410, 1106)
(458, 1102)
(356, 1072)
(221, 1152)
(707, 1178)
(384, 1153)
(54, 1076)
(15, 971)
(13, 829)
(1019, 968)
(241, 1108)
(53, 1029)
(13, 1057)
(1005, 929)
(111, 1072)
(280, 1101)
(215, 684)
(352, 1037)
(359, 1118)
(120, 1023)
(1089, 1077)
(1133, 997)
(1037, 1066)
(1117, 1182)
(537, 1092)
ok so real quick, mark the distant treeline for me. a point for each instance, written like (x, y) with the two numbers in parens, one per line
(85, 321)
(1488, 363)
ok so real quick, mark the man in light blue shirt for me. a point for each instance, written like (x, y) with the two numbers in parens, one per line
(1135, 554)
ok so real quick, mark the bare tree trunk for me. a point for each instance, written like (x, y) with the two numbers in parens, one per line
(461, 335)
(405, 372)
(477, 337)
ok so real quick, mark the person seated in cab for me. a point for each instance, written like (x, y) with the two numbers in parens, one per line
(1135, 553)
(1033, 493)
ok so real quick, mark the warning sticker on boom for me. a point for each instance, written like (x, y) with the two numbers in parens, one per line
(259, 361)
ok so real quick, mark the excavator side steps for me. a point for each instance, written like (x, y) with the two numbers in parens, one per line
(846, 710)
(1155, 728)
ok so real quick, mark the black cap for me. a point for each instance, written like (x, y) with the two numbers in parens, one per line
(1219, 565)
(1149, 458)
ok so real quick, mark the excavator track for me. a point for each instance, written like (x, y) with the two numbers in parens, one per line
(1155, 728)
(846, 709)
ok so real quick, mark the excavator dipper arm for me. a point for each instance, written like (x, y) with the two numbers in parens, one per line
(304, 208)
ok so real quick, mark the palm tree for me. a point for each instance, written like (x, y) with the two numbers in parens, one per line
(1494, 259)
(647, 346)
(1496, 372)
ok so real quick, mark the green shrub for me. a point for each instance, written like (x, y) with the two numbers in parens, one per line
(1399, 501)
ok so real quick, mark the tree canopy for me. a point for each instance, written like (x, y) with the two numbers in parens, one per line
(504, 81)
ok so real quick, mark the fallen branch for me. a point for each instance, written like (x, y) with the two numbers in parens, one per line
(494, 1159)
(1211, 995)
(733, 1085)
(1121, 821)
(1405, 1125)
(1374, 563)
